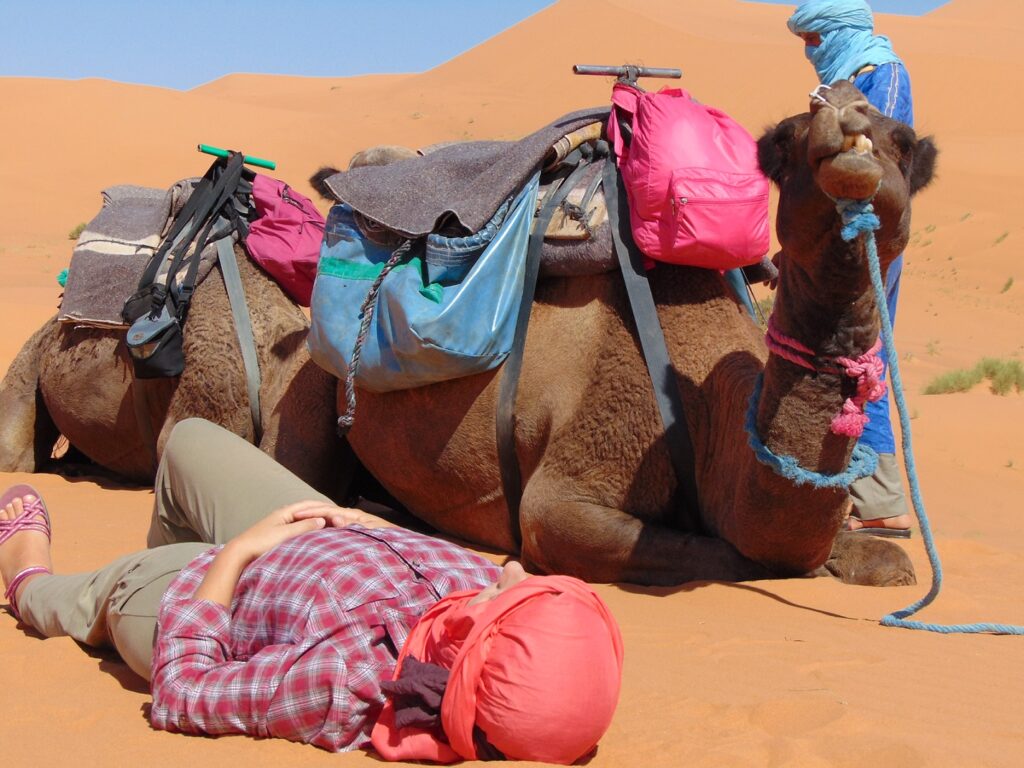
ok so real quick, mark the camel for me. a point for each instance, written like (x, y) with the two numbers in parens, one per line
(77, 382)
(597, 479)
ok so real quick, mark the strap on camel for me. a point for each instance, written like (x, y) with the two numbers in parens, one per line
(652, 343)
(243, 327)
(505, 428)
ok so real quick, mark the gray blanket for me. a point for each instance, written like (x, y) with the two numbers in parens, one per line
(461, 184)
(112, 252)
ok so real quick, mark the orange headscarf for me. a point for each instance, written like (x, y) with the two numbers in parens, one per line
(537, 670)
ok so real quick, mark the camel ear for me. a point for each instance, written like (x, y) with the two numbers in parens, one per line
(774, 149)
(318, 181)
(922, 167)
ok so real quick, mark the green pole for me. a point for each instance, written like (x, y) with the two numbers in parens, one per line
(218, 152)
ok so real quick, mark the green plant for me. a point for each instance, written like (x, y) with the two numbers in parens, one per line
(954, 381)
(76, 231)
(930, 228)
(1007, 285)
(932, 346)
(966, 216)
(1004, 375)
(1001, 238)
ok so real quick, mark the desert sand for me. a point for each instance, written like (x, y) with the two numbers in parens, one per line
(776, 673)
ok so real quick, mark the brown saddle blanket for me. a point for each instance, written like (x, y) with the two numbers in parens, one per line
(457, 187)
(112, 252)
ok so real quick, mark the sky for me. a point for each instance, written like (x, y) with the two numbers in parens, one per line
(185, 43)
(903, 7)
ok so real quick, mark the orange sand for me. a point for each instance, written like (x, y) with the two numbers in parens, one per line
(779, 673)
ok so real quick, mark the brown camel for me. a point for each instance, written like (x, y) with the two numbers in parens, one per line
(77, 382)
(596, 471)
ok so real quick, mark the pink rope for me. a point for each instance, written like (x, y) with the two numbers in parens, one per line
(787, 347)
(866, 369)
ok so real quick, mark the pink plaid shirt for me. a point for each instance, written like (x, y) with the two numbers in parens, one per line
(315, 625)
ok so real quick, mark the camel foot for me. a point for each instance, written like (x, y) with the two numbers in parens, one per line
(869, 561)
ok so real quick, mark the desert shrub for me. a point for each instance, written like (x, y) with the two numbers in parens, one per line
(76, 231)
(1004, 375)
(954, 381)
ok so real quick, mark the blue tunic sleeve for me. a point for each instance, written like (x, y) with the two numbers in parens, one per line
(887, 88)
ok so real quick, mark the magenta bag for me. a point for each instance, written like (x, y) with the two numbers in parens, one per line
(285, 238)
(696, 193)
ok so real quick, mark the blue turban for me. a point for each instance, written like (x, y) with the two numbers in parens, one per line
(848, 42)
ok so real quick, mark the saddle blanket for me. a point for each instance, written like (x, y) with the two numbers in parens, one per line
(112, 252)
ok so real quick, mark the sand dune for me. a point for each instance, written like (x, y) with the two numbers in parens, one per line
(780, 673)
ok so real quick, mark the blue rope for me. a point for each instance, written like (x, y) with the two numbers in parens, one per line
(859, 217)
(862, 462)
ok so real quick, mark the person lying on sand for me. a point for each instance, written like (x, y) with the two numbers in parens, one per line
(292, 628)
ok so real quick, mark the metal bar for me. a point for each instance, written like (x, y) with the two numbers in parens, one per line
(625, 70)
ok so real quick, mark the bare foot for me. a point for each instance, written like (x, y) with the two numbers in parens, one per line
(24, 549)
(898, 523)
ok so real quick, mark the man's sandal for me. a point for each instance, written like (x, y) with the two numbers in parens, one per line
(34, 517)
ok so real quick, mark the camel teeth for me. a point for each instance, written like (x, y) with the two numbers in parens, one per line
(863, 144)
(848, 142)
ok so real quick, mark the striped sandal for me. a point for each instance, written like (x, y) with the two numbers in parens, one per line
(34, 517)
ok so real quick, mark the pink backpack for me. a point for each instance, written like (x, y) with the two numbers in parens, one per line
(285, 238)
(696, 194)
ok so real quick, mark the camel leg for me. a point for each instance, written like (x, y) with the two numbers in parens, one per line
(575, 537)
(859, 558)
(27, 433)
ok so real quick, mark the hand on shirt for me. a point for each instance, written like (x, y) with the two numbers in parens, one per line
(276, 528)
(295, 519)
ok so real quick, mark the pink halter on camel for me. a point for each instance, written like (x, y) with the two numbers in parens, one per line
(866, 369)
(533, 674)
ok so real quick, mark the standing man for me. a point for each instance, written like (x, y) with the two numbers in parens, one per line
(841, 45)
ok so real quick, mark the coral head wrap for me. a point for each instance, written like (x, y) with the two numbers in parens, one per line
(535, 672)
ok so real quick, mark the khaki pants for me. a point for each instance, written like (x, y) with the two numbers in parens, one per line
(210, 486)
(880, 495)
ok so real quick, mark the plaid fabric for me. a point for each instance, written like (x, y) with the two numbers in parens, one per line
(315, 625)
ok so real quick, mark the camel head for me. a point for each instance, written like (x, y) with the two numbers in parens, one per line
(843, 148)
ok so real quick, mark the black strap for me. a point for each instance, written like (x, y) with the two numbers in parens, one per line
(195, 220)
(508, 461)
(652, 342)
(223, 191)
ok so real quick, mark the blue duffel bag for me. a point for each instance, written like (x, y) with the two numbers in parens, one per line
(446, 309)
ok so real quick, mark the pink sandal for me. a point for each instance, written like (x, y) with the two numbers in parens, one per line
(33, 518)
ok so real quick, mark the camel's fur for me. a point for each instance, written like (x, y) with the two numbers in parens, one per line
(77, 381)
(597, 477)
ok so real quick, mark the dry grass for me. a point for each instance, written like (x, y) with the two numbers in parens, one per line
(1005, 376)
